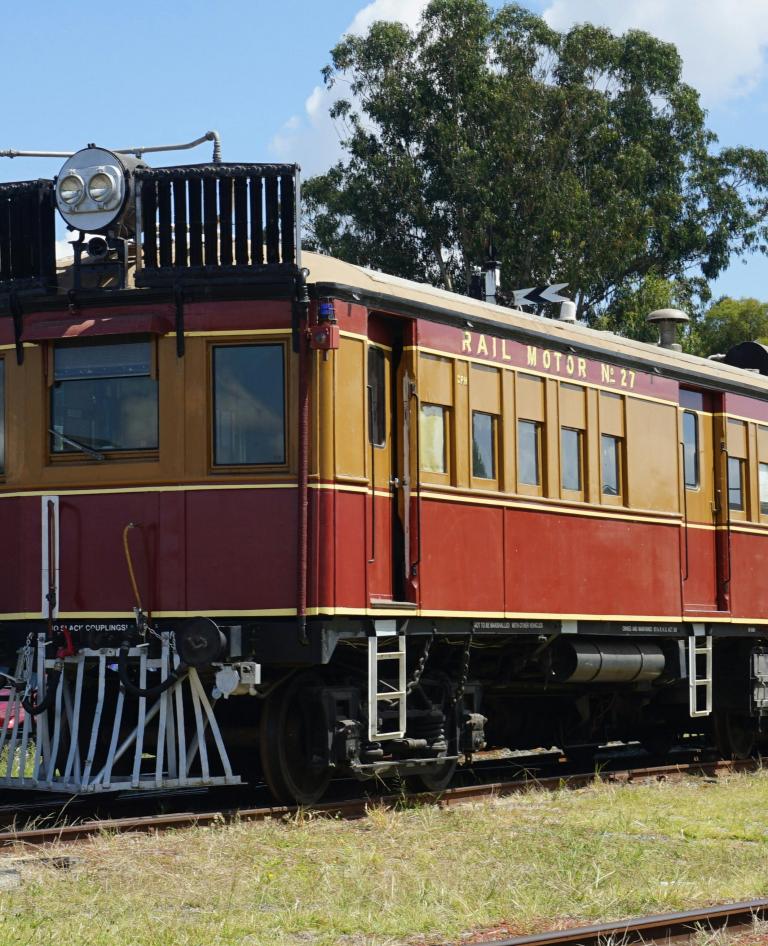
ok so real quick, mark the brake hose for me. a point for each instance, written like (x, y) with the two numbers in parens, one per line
(130, 686)
(52, 681)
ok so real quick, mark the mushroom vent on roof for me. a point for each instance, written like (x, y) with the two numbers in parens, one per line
(749, 355)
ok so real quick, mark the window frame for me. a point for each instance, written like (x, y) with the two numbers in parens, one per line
(612, 499)
(381, 357)
(433, 476)
(109, 456)
(248, 468)
(692, 487)
(531, 489)
(763, 506)
(741, 466)
(488, 482)
(737, 441)
(568, 492)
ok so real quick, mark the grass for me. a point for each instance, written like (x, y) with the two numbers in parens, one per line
(29, 762)
(421, 874)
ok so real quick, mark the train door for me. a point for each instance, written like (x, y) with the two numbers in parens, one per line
(704, 553)
(389, 507)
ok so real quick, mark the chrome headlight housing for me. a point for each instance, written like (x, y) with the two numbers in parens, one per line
(92, 189)
(70, 189)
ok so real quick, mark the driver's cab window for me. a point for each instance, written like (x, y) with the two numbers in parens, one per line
(103, 397)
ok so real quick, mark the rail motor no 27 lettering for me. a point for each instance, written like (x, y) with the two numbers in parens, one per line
(270, 514)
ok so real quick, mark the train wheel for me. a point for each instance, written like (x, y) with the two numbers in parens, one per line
(735, 735)
(436, 777)
(294, 741)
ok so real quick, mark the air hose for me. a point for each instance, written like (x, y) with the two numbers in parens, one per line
(52, 685)
(130, 686)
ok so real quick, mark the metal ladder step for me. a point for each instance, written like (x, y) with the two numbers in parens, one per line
(699, 684)
(394, 696)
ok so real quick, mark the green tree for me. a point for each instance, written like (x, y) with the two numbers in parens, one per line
(727, 323)
(631, 304)
(583, 151)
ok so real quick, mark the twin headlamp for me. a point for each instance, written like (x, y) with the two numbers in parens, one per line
(92, 189)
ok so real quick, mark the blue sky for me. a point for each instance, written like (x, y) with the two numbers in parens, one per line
(167, 71)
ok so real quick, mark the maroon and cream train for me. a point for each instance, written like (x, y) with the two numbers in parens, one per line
(270, 514)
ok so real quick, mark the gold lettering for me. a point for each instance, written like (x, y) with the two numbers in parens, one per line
(532, 353)
(507, 357)
(623, 377)
(569, 364)
(546, 359)
(493, 346)
(558, 356)
(482, 347)
(631, 379)
(582, 366)
(466, 342)
(605, 373)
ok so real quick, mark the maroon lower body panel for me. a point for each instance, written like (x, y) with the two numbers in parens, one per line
(231, 550)
(196, 550)
(494, 559)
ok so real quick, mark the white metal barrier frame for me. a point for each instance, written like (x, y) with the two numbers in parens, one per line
(162, 758)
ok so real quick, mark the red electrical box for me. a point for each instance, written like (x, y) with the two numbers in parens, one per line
(325, 336)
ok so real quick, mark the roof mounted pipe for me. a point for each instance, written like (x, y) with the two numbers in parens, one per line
(10, 153)
(138, 152)
(208, 136)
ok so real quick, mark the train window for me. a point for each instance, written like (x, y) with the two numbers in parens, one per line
(529, 452)
(571, 452)
(248, 405)
(691, 449)
(103, 397)
(432, 438)
(735, 483)
(764, 489)
(692, 399)
(610, 449)
(483, 445)
(377, 417)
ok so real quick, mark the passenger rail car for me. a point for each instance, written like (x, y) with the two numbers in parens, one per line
(269, 514)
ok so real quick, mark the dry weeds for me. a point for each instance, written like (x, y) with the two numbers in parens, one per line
(421, 874)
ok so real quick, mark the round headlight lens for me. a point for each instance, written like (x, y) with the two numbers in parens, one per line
(71, 189)
(100, 186)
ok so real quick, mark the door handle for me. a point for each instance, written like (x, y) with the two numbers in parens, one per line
(395, 482)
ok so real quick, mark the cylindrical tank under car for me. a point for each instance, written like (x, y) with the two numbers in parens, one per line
(580, 661)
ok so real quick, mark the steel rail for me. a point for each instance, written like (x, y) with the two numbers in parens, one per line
(359, 807)
(660, 928)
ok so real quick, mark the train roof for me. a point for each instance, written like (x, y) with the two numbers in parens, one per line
(356, 283)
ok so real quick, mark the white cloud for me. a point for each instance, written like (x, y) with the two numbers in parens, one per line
(312, 138)
(723, 44)
(64, 250)
(405, 11)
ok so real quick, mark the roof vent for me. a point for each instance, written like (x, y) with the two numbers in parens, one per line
(752, 356)
(668, 320)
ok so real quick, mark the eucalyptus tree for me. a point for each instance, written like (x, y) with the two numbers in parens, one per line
(583, 153)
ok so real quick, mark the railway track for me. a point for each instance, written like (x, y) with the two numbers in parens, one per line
(356, 807)
(662, 928)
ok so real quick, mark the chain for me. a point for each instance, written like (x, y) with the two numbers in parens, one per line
(27, 666)
(418, 670)
(464, 675)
